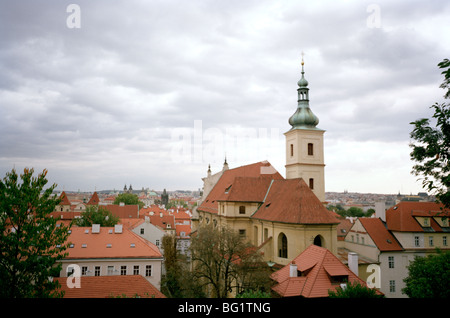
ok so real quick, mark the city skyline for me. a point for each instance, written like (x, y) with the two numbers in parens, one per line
(150, 94)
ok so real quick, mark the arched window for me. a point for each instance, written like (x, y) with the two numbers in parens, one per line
(282, 246)
(318, 240)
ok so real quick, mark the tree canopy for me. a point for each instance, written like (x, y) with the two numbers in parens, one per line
(431, 146)
(31, 241)
(224, 261)
(354, 290)
(128, 199)
(429, 277)
(97, 215)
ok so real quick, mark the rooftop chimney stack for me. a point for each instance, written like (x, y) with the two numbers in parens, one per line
(353, 262)
(95, 228)
(380, 210)
(293, 270)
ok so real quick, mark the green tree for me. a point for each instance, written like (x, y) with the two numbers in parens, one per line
(223, 260)
(431, 146)
(31, 242)
(176, 202)
(171, 281)
(355, 290)
(178, 281)
(254, 294)
(128, 199)
(97, 215)
(429, 277)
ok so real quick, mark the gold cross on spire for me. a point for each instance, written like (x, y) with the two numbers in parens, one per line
(303, 54)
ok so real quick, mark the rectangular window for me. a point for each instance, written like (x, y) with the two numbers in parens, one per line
(97, 271)
(416, 241)
(84, 270)
(444, 240)
(391, 261)
(142, 231)
(292, 150)
(242, 209)
(311, 183)
(123, 270)
(430, 241)
(136, 270)
(148, 270)
(392, 286)
(242, 233)
(310, 149)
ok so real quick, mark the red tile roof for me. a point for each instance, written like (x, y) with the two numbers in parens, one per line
(64, 199)
(124, 211)
(401, 216)
(317, 266)
(246, 189)
(382, 238)
(343, 228)
(166, 221)
(292, 201)
(183, 228)
(97, 244)
(259, 169)
(288, 201)
(94, 200)
(111, 286)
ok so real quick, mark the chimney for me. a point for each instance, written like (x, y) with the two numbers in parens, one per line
(118, 228)
(95, 228)
(122, 204)
(293, 270)
(380, 210)
(353, 262)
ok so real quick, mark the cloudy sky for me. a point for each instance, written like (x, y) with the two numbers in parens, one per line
(148, 93)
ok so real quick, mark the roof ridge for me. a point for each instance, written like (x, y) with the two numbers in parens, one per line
(319, 262)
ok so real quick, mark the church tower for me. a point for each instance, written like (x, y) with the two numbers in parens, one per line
(304, 144)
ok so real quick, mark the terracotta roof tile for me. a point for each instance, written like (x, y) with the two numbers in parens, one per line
(125, 211)
(259, 169)
(292, 201)
(111, 286)
(383, 239)
(317, 265)
(94, 200)
(401, 216)
(96, 245)
(64, 199)
(247, 189)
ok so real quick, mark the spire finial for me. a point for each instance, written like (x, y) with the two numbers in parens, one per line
(303, 54)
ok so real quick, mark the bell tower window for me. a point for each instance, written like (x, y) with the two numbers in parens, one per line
(310, 149)
(311, 183)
